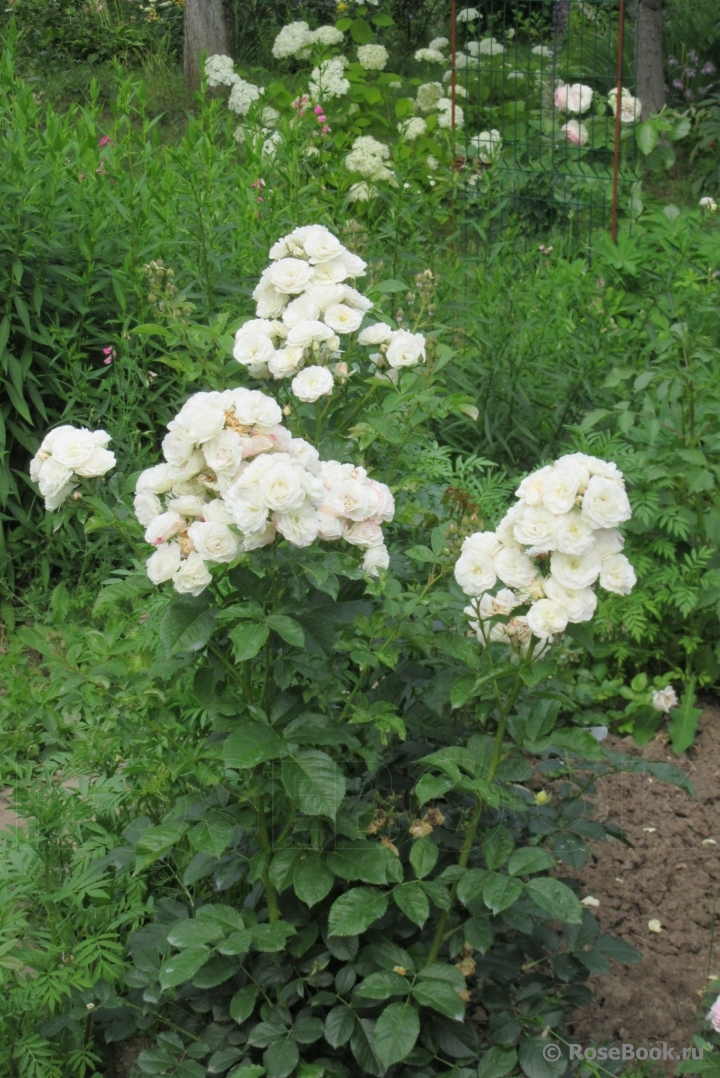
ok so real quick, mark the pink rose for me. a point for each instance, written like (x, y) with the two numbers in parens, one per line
(713, 1015)
(561, 98)
(575, 132)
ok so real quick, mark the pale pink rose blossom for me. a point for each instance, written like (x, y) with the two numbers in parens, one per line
(575, 132)
(713, 1015)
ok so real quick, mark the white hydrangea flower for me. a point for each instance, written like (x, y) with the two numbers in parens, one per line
(412, 128)
(445, 117)
(242, 96)
(373, 57)
(368, 157)
(428, 95)
(328, 80)
(292, 40)
(486, 145)
(361, 192)
(542, 50)
(220, 71)
(488, 46)
(468, 14)
(430, 56)
(327, 35)
(439, 43)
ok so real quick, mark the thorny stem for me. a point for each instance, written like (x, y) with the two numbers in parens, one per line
(270, 892)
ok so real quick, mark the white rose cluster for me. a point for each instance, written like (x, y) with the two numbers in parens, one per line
(234, 478)
(66, 454)
(630, 107)
(305, 306)
(549, 552)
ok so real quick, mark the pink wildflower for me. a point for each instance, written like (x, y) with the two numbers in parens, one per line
(105, 141)
(326, 130)
(109, 354)
(318, 110)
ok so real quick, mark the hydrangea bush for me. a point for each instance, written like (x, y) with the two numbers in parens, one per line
(364, 847)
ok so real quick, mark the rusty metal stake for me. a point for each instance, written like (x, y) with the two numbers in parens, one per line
(618, 111)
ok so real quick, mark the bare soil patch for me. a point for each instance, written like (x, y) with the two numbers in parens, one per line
(672, 875)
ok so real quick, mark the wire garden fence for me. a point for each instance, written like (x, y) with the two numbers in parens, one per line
(535, 84)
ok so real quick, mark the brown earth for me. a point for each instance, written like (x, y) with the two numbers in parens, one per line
(672, 875)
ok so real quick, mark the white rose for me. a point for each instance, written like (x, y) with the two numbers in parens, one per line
(332, 272)
(261, 538)
(575, 571)
(343, 319)
(579, 604)
(187, 505)
(217, 512)
(46, 446)
(192, 577)
(224, 452)
(36, 464)
(405, 349)
(364, 533)
(664, 699)
(617, 574)
(605, 503)
(381, 504)
(326, 293)
(482, 542)
(281, 488)
(280, 249)
(164, 563)
(255, 410)
(355, 299)
(285, 362)
(147, 506)
(266, 326)
(546, 617)
(475, 571)
(504, 602)
(270, 303)
(560, 487)
(376, 557)
(163, 527)
(536, 527)
(353, 498)
(52, 477)
(531, 488)
(306, 454)
(304, 334)
(375, 334)
(606, 468)
(54, 501)
(320, 245)
(290, 275)
(514, 567)
(607, 542)
(157, 480)
(505, 531)
(252, 348)
(312, 383)
(201, 419)
(177, 446)
(214, 542)
(572, 534)
(72, 448)
(302, 309)
(329, 527)
(299, 526)
(98, 463)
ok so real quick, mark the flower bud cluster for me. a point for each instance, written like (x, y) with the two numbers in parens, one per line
(234, 478)
(304, 307)
(549, 551)
(68, 453)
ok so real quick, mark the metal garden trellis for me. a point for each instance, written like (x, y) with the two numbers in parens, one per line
(514, 54)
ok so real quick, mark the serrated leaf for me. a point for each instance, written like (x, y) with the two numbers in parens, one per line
(423, 857)
(251, 744)
(192, 933)
(437, 986)
(247, 639)
(356, 910)
(529, 859)
(362, 861)
(312, 880)
(288, 629)
(155, 842)
(556, 898)
(183, 966)
(497, 1062)
(186, 625)
(471, 885)
(501, 891)
(243, 1003)
(314, 782)
(432, 787)
(272, 937)
(221, 1060)
(339, 1025)
(396, 1031)
(383, 985)
(281, 1058)
(412, 900)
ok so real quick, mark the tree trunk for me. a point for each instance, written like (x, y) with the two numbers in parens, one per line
(651, 75)
(207, 29)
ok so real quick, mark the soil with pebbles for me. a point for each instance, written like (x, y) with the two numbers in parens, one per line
(671, 875)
